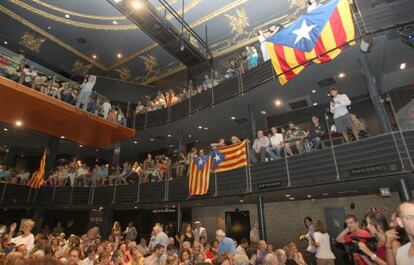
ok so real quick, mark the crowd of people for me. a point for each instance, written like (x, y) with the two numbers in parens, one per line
(74, 93)
(374, 240)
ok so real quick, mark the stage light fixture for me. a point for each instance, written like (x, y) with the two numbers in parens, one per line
(49, 27)
(315, 104)
(80, 146)
(291, 198)
(287, 195)
(313, 91)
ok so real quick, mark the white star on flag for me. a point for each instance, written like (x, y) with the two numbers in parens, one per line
(303, 31)
(217, 158)
(200, 162)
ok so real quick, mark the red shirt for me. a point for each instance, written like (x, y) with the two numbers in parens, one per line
(358, 260)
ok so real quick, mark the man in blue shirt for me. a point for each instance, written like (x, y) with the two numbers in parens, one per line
(226, 244)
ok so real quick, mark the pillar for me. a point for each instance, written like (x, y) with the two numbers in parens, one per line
(261, 218)
(404, 190)
(252, 122)
(116, 156)
(38, 218)
(51, 155)
(374, 93)
(179, 216)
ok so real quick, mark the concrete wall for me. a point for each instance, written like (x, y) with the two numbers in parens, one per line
(284, 220)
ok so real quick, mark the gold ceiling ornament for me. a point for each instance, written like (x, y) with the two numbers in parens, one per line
(32, 41)
(71, 22)
(151, 67)
(124, 73)
(239, 22)
(51, 37)
(81, 67)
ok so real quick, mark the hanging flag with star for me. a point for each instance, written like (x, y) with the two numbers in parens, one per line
(312, 35)
(229, 157)
(199, 180)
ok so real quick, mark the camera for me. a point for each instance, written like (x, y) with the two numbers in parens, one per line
(370, 242)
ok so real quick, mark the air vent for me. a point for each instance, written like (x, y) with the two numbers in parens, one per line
(81, 40)
(298, 104)
(241, 121)
(327, 82)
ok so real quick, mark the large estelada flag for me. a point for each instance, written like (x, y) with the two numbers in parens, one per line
(37, 178)
(199, 180)
(229, 157)
(312, 35)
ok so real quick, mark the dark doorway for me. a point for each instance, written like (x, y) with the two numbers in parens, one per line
(238, 225)
(334, 220)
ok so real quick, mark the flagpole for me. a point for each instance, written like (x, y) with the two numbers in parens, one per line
(248, 170)
(215, 184)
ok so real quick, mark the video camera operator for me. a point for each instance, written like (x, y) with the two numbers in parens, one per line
(361, 243)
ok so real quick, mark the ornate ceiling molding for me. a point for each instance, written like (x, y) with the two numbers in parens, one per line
(51, 37)
(195, 23)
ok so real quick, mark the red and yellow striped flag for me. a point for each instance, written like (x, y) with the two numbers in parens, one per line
(312, 35)
(37, 178)
(199, 180)
(229, 157)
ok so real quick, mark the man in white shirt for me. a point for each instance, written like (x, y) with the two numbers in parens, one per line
(86, 91)
(158, 237)
(90, 259)
(199, 231)
(254, 234)
(342, 118)
(405, 219)
(276, 144)
(260, 144)
(29, 76)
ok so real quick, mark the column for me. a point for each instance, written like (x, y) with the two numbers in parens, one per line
(38, 218)
(404, 190)
(116, 156)
(261, 218)
(179, 216)
(51, 155)
(374, 93)
(252, 122)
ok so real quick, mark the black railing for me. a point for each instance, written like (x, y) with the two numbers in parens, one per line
(377, 156)
(226, 89)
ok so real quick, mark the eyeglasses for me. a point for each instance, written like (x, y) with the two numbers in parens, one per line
(409, 217)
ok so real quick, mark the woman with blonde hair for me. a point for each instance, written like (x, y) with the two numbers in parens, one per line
(26, 238)
(322, 241)
(116, 233)
(294, 257)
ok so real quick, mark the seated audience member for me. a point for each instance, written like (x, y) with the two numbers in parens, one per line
(360, 125)
(149, 168)
(277, 144)
(26, 238)
(339, 108)
(217, 78)
(405, 219)
(232, 69)
(294, 257)
(316, 132)
(106, 107)
(180, 165)
(92, 106)
(295, 135)
(260, 144)
(207, 83)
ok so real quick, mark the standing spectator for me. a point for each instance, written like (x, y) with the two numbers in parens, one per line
(322, 242)
(199, 231)
(311, 249)
(29, 75)
(58, 229)
(254, 234)
(130, 232)
(260, 144)
(106, 107)
(405, 219)
(225, 244)
(86, 91)
(241, 248)
(262, 39)
(116, 233)
(262, 252)
(158, 237)
(142, 247)
(316, 132)
(186, 235)
(342, 118)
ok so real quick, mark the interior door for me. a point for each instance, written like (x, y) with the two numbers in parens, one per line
(238, 225)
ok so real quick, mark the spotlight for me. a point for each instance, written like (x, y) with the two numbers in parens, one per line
(291, 198)
(94, 56)
(169, 135)
(189, 136)
(341, 75)
(115, 22)
(49, 27)
(200, 127)
(315, 104)
(67, 16)
(96, 150)
(205, 128)
(119, 55)
(135, 142)
(278, 102)
(62, 137)
(137, 4)
(152, 139)
(403, 66)
(263, 112)
(5, 42)
(287, 195)
(233, 118)
(314, 91)
(80, 146)
(5, 129)
(19, 123)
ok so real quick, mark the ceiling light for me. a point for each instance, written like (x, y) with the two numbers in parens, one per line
(62, 137)
(206, 128)
(189, 136)
(197, 141)
(263, 112)
(278, 102)
(314, 91)
(137, 4)
(94, 56)
(200, 127)
(287, 195)
(325, 194)
(97, 150)
(315, 104)
(403, 66)
(152, 139)
(67, 16)
(241, 200)
(309, 196)
(291, 198)
(115, 22)
(19, 123)
(135, 142)
(119, 55)
(5, 129)
(169, 135)
(314, 200)
(80, 146)
(135, 207)
(171, 145)
(341, 75)
(5, 42)
(49, 27)
(233, 118)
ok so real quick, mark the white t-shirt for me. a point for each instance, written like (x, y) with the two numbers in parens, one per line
(324, 250)
(28, 241)
(28, 75)
(403, 257)
(276, 139)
